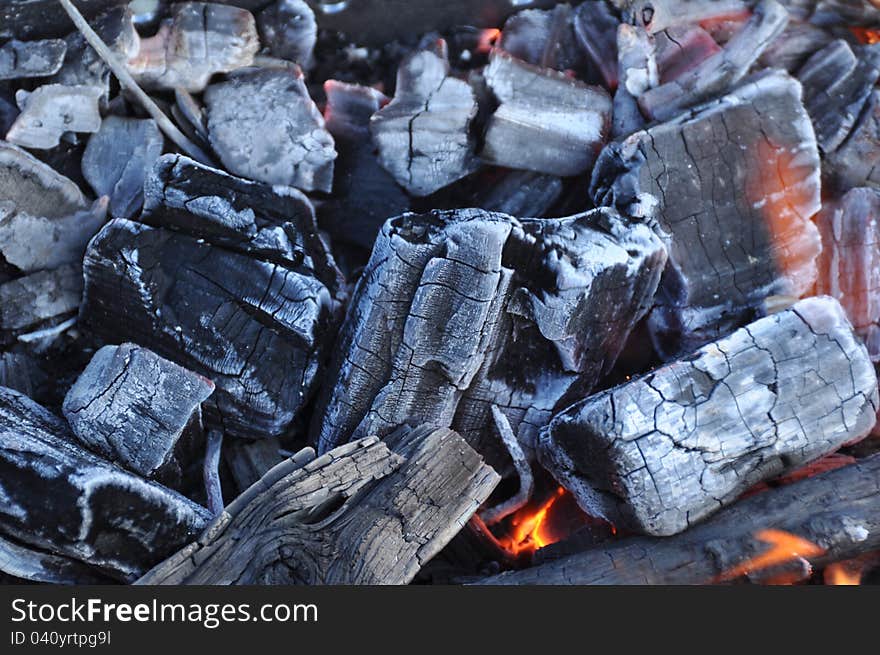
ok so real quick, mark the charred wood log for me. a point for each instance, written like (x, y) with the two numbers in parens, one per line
(27, 563)
(664, 451)
(361, 514)
(733, 188)
(20, 59)
(595, 27)
(29, 19)
(836, 510)
(40, 305)
(288, 28)
(637, 72)
(65, 501)
(857, 161)
(248, 461)
(51, 110)
(794, 46)
(544, 38)
(682, 48)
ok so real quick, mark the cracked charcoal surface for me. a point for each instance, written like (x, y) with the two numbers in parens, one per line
(133, 407)
(264, 126)
(20, 59)
(455, 309)
(50, 111)
(254, 328)
(736, 182)
(62, 500)
(423, 133)
(392, 511)
(545, 122)
(666, 450)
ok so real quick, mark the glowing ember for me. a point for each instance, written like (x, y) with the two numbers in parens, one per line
(487, 40)
(843, 573)
(529, 531)
(785, 547)
(864, 35)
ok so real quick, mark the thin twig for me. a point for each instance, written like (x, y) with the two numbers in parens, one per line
(523, 469)
(127, 82)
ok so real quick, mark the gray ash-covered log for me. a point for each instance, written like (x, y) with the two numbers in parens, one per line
(458, 311)
(61, 500)
(733, 187)
(662, 452)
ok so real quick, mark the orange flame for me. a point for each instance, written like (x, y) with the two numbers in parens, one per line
(529, 532)
(785, 547)
(866, 36)
(843, 573)
(487, 40)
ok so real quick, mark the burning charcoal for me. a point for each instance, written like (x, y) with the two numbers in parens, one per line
(794, 46)
(736, 187)
(255, 328)
(31, 58)
(658, 15)
(423, 133)
(546, 122)
(134, 407)
(857, 161)
(844, 12)
(595, 27)
(199, 40)
(725, 68)
(264, 126)
(364, 193)
(39, 305)
(117, 159)
(681, 49)
(272, 222)
(637, 72)
(837, 83)
(289, 30)
(849, 267)
(664, 451)
(63, 500)
(50, 111)
(543, 38)
(362, 514)
(457, 310)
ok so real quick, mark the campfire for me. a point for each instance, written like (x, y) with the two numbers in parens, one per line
(496, 293)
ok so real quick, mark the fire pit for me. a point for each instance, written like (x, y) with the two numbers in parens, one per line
(487, 292)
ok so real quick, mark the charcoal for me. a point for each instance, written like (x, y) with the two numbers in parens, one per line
(117, 159)
(595, 27)
(364, 193)
(720, 71)
(264, 126)
(849, 267)
(637, 72)
(664, 451)
(63, 500)
(192, 115)
(460, 310)
(39, 304)
(34, 19)
(8, 110)
(199, 40)
(20, 370)
(248, 461)
(20, 59)
(681, 49)
(134, 408)
(735, 187)
(837, 82)
(857, 161)
(35, 565)
(544, 38)
(288, 28)
(842, 12)
(50, 111)
(274, 223)
(423, 133)
(255, 328)
(794, 46)
(545, 121)
(522, 193)
(658, 15)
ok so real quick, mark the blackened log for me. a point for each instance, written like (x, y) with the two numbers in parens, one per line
(27, 563)
(664, 451)
(248, 461)
(521, 193)
(61, 499)
(837, 82)
(117, 159)
(734, 189)
(595, 27)
(51, 110)
(837, 511)
(857, 161)
(21, 59)
(33, 305)
(255, 328)
(720, 71)
(288, 28)
(134, 408)
(682, 48)
(423, 134)
(264, 126)
(794, 46)
(657, 15)
(361, 514)
(544, 38)
(20, 370)
(545, 122)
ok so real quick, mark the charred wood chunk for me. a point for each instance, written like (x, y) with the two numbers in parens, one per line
(857, 161)
(849, 267)
(133, 408)
(254, 328)
(117, 159)
(288, 28)
(842, 12)
(837, 82)
(19, 59)
(50, 111)
(836, 510)
(545, 38)
(664, 451)
(794, 46)
(61, 499)
(248, 461)
(29, 19)
(274, 223)
(364, 193)
(682, 48)
(723, 69)
(423, 133)
(521, 193)
(264, 126)
(657, 15)
(736, 186)
(34, 565)
(199, 40)
(21, 371)
(361, 514)
(40, 304)
(457, 310)
(545, 121)
(595, 27)
(637, 72)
